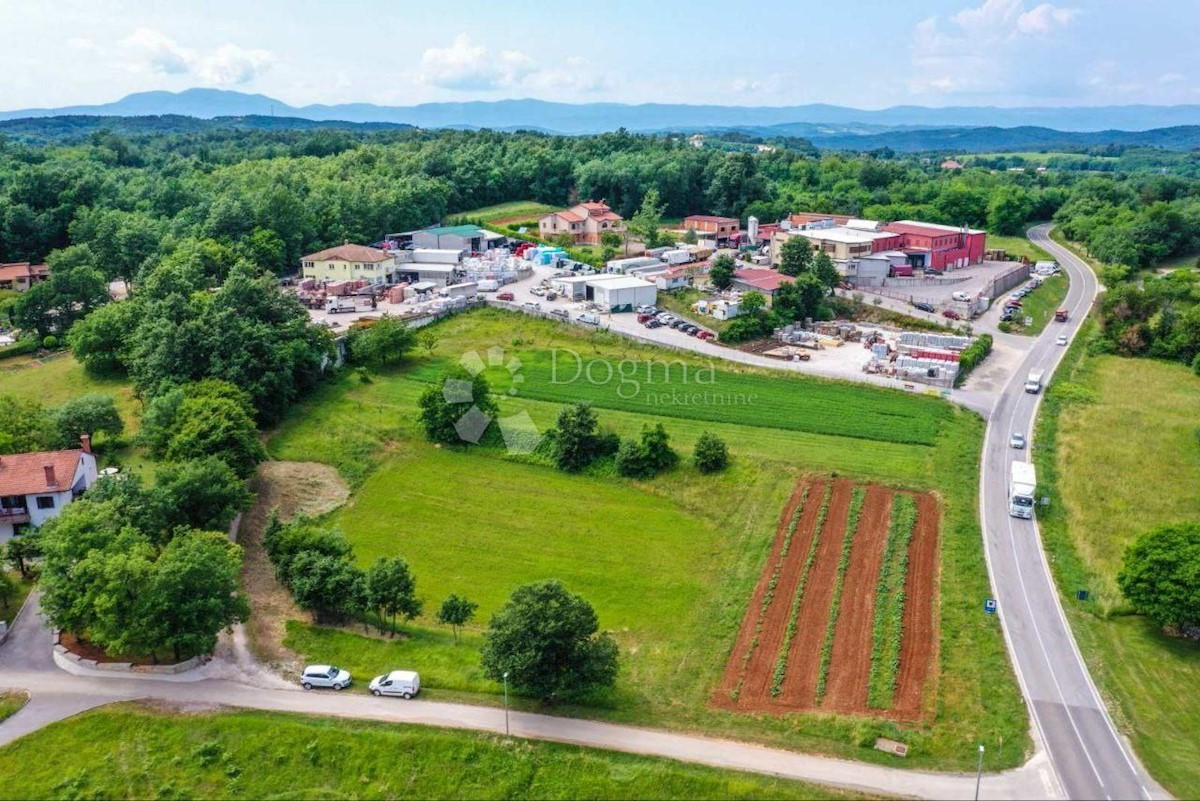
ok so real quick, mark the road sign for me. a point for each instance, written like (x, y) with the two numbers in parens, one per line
(1045, 500)
(1028, 321)
(989, 606)
(1081, 595)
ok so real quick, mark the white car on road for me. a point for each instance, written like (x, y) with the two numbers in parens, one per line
(1062, 339)
(324, 676)
(404, 683)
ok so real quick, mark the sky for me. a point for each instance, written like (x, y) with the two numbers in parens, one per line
(861, 53)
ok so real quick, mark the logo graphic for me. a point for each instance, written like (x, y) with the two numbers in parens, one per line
(520, 433)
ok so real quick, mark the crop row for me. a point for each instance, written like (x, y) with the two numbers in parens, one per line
(773, 582)
(857, 497)
(887, 628)
(793, 611)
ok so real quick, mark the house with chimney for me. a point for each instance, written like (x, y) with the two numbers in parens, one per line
(584, 222)
(34, 487)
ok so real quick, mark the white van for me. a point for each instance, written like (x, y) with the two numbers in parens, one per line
(963, 296)
(404, 683)
(591, 318)
(489, 285)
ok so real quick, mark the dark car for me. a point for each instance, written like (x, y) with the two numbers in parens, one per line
(951, 314)
(652, 323)
(678, 323)
(925, 307)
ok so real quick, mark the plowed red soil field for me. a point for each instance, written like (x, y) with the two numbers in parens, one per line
(785, 586)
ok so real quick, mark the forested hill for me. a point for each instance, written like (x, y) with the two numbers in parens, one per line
(991, 139)
(48, 129)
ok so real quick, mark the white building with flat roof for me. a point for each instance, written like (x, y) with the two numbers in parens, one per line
(622, 294)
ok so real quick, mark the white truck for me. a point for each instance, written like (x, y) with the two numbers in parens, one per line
(467, 289)
(341, 305)
(1033, 384)
(1022, 484)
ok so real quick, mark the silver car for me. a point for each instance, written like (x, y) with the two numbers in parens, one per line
(1062, 339)
(324, 676)
(1017, 440)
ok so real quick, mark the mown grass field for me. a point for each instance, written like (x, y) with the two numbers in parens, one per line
(514, 210)
(1118, 453)
(136, 752)
(668, 563)
(1018, 246)
(10, 702)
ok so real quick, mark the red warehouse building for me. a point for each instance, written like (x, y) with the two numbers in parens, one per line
(939, 247)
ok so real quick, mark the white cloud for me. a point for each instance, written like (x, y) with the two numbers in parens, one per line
(981, 49)
(227, 65)
(82, 44)
(159, 52)
(467, 65)
(766, 85)
(231, 65)
(1171, 77)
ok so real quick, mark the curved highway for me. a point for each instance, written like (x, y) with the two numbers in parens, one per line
(1089, 757)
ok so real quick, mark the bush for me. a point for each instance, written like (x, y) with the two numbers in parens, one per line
(972, 356)
(648, 457)
(1160, 575)
(710, 455)
(576, 443)
(49, 342)
(632, 461)
(20, 348)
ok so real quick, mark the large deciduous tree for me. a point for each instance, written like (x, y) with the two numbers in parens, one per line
(1161, 575)
(547, 640)
(392, 590)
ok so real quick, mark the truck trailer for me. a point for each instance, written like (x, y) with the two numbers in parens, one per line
(1022, 484)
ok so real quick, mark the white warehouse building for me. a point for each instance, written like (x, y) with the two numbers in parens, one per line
(622, 294)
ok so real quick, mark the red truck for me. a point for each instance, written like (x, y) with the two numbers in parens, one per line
(1060, 316)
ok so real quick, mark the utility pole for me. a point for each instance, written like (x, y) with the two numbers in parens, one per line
(978, 770)
(506, 722)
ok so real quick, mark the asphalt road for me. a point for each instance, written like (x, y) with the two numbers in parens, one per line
(1089, 757)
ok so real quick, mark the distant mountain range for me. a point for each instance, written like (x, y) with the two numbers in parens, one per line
(584, 118)
(902, 128)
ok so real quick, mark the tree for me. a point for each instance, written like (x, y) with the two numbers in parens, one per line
(610, 239)
(100, 341)
(645, 225)
(795, 256)
(383, 342)
(720, 274)
(327, 586)
(711, 455)
(8, 591)
(753, 304)
(632, 460)
(1161, 575)
(825, 270)
(24, 426)
(391, 590)
(428, 340)
(193, 593)
(456, 612)
(73, 289)
(1008, 210)
(690, 237)
(648, 456)
(93, 413)
(19, 552)
(203, 494)
(458, 409)
(546, 639)
(576, 441)
(216, 426)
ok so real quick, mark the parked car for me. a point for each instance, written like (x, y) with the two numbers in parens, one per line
(531, 304)
(551, 294)
(647, 310)
(706, 335)
(925, 307)
(951, 314)
(961, 296)
(1061, 340)
(404, 683)
(652, 323)
(1017, 440)
(678, 323)
(505, 296)
(560, 312)
(324, 676)
(664, 317)
(642, 318)
(591, 318)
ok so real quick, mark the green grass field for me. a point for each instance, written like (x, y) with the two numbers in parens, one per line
(669, 563)
(1040, 304)
(517, 209)
(135, 752)
(10, 702)
(1018, 246)
(1118, 453)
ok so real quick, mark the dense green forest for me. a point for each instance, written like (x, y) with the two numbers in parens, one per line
(173, 213)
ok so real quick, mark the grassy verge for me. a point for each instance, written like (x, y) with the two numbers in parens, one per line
(9, 611)
(856, 502)
(1018, 246)
(1111, 428)
(134, 752)
(1040, 305)
(505, 212)
(889, 604)
(10, 703)
(679, 302)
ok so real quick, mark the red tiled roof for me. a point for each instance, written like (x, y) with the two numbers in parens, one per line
(21, 269)
(710, 218)
(768, 280)
(349, 252)
(25, 473)
(568, 215)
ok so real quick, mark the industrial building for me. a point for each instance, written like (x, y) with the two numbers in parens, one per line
(469, 238)
(438, 266)
(621, 293)
(926, 246)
